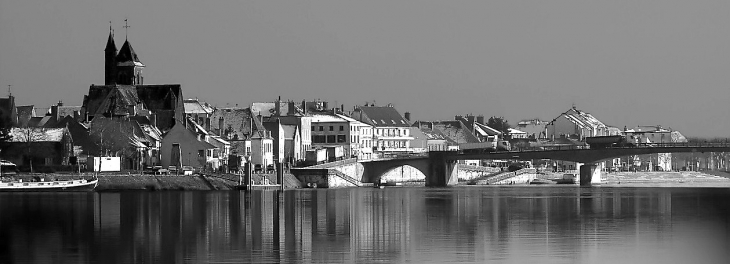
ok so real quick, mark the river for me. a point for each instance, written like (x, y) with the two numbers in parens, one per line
(465, 224)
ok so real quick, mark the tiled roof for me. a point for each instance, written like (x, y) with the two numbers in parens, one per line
(239, 120)
(193, 106)
(159, 96)
(327, 118)
(455, 130)
(383, 116)
(21, 134)
(64, 111)
(267, 109)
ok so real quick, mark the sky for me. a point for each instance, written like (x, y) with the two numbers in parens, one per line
(628, 63)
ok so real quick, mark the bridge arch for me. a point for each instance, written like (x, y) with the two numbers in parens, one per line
(373, 171)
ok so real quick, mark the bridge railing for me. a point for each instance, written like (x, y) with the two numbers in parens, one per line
(627, 146)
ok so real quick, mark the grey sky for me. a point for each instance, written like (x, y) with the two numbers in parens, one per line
(627, 62)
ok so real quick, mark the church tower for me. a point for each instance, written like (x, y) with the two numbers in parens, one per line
(110, 62)
(129, 68)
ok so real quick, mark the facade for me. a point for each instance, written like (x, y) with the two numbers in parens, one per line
(652, 134)
(363, 136)
(289, 114)
(330, 129)
(182, 147)
(292, 144)
(39, 146)
(426, 139)
(575, 124)
(391, 133)
(246, 133)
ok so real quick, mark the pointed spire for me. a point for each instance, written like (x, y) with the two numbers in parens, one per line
(110, 46)
(126, 53)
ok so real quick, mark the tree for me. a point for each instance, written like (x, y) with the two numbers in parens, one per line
(28, 135)
(499, 123)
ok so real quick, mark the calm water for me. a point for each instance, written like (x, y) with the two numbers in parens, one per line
(529, 224)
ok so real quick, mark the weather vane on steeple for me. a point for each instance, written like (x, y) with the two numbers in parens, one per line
(126, 29)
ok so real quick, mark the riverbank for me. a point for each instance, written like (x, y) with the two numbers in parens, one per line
(659, 178)
(130, 182)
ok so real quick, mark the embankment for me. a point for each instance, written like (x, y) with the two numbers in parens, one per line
(123, 182)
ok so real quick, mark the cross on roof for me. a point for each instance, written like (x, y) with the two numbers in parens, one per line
(126, 28)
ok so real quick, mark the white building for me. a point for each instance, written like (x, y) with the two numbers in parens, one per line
(391, 133)
(575, 124)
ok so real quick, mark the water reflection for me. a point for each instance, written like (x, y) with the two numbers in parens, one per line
(503, 224)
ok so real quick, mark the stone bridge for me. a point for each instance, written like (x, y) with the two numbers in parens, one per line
(440, 166)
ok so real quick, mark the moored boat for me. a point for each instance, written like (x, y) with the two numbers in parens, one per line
(49, 186)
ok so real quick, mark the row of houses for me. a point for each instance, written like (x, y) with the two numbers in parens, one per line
(153, 125)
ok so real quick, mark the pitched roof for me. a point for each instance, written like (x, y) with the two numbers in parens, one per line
(193, 106)
(455, 130)
(126, 53)
(240, 121)
(486, 130)
(64, 111)
(25, 112)
(383, 116)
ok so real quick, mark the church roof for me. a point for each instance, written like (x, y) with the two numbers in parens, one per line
(127, 53)
(110, 46)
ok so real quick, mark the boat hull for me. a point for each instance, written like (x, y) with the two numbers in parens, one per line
(50, 186)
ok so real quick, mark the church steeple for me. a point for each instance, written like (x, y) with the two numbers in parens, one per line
(129, 68)
(110, 62)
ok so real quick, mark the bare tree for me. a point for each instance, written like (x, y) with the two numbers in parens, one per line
(114, 137)
(27, 136)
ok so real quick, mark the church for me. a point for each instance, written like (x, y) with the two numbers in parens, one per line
(124, 94)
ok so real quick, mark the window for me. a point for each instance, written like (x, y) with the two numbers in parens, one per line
(321, 128)
(201, 153)
(342, 128)
(341, 138)
(313, 128)
(331, 139)
(319, 139)
(332, 128)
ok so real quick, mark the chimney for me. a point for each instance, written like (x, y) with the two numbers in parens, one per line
(277, 107)
(290, 108)
(221, 128)
(480, 119)
(304, 106)
(408, 116)
(324, 105)
(60, 103)
(458, 118)
(342, 108)
(470, 119)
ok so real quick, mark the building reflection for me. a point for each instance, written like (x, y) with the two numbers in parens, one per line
(391, 225)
